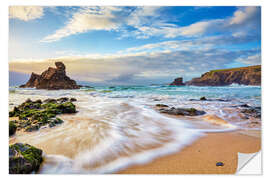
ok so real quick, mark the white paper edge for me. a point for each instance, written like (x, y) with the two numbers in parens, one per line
(249, 163)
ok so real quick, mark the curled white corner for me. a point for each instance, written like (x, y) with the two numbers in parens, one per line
(249, 163)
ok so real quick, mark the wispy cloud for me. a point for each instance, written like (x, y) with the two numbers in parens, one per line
(26, 13)
(148, 22)
(250, 60)
(87, 19)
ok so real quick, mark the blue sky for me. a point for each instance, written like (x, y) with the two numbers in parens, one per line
(133, 45)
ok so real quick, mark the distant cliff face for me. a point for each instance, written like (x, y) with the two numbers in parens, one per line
(246, 75)
(52, 79)
(178, 82)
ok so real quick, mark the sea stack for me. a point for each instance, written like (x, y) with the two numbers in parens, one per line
(51, 79)
(178, 82)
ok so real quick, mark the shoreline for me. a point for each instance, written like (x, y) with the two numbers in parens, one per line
(202, 155)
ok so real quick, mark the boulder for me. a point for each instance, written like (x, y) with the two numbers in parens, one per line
(182, 111)
(24, 158)
(52, 79)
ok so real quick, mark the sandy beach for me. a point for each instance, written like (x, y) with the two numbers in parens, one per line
(201, 156)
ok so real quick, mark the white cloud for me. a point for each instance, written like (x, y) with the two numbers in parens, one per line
(244, 14)
(26, 13)
(89, 18)
(250, 60)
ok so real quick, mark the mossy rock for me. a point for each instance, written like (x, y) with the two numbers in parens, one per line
(34, 114)
(24, 158)
(12, 128)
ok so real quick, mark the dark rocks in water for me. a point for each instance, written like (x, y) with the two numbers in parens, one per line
(33, 114)
(24, 158)
(182, 111)
(161, 105)
(12, 128)
(51, 79)
(250, 75)
(73, 99)
(178, 82)
(252, 112)
(245, 106)
(219, 164)
(203, 98)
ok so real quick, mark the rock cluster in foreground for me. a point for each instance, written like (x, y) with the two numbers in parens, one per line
(250, 75)
(51, 79)
(24, 158)
(35, 114)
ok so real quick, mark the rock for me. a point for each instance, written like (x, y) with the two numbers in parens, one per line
(24, 158)
(178, 82)
(203, 98)
(250, 75)
(63, 99)
(73, 99)
(244, 106)
(32, 82)
(49, 100)
(252, 112)
(12, 128)
(161, 105)
(182, 111)
(52, 79)
(219, 164)
(33, 114)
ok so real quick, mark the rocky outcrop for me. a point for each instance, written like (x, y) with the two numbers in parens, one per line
(246, 75)
(24, 158)
(52, 79)
(32, 115)
(178, 82)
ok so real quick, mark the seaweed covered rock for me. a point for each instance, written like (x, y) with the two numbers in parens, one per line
(182, 111)
(24, 158)
(12, 128)
(34, 114)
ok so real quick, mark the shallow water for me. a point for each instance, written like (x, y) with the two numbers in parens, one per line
(119, 126)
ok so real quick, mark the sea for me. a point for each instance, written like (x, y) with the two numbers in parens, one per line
(120, 126)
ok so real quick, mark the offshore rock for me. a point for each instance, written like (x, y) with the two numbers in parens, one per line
(51, 79)
(178, 82)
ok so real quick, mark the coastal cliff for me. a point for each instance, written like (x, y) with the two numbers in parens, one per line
(52, 79)
(250, 75)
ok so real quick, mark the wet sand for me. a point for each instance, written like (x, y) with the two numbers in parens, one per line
(201, 156)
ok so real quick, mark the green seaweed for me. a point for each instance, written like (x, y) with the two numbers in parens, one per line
(34, 114)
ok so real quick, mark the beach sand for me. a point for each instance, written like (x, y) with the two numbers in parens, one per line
(201, 156)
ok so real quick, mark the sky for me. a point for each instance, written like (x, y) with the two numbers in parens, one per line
(119, 45)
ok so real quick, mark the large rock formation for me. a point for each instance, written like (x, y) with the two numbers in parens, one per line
(178, 82)
(52, 79)
(250, 75)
